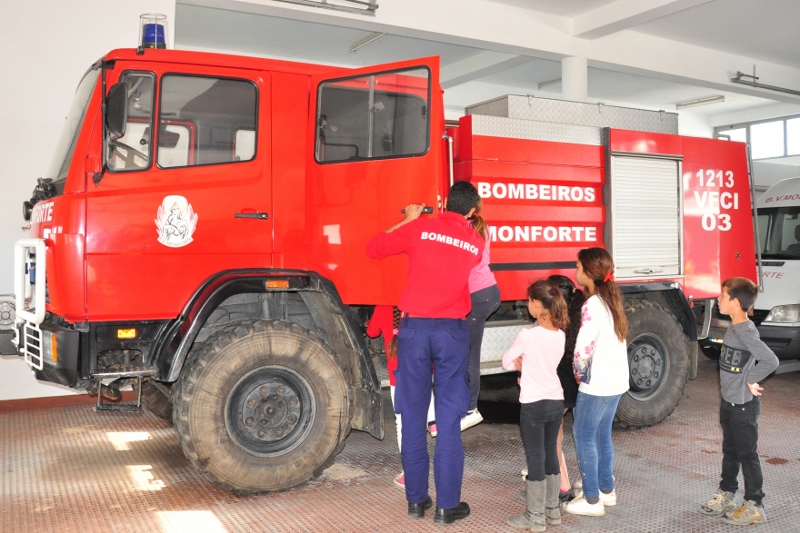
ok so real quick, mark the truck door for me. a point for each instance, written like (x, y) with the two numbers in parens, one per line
(186, 193)
(376, 147)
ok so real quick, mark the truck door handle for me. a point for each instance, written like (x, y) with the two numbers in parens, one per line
(427, 210)
(649, 271)
(259, 216)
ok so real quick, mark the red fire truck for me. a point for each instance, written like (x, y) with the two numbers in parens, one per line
(201, 236)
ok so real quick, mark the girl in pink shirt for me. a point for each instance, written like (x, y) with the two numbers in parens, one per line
(484, 295)
(537, 352)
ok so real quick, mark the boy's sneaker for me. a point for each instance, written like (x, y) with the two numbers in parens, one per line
(581, 507)
(473, 418)
(747, 513)
(608, 500)
(720, 503)
(432, 428)
(400, 480)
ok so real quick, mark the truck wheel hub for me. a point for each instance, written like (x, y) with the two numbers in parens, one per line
(266, 408)
(647, 359)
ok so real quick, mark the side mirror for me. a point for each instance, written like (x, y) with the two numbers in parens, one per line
(117, 111)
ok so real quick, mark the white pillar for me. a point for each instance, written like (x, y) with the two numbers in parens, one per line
(574, 79)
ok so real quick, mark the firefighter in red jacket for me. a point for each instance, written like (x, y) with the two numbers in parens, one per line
(435, 300)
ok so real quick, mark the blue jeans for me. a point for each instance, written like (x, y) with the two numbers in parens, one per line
(594, 416)
(443, 343)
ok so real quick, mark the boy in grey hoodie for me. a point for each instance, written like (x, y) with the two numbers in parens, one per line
(744, 361)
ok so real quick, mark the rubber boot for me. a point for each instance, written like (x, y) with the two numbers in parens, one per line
(552, 509)
(533, 518)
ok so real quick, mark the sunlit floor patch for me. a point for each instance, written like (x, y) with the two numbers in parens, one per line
(190, 522)
(120, 439)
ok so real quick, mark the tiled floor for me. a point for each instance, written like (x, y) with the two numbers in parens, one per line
(70, 469)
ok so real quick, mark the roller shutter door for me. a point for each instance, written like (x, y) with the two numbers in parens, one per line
(646, 217)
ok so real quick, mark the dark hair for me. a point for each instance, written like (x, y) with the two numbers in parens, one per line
(599, 267)
(477, 221)
(552, 300)
(463, 196)
(743, 290)
(575, 300)
(396, 315)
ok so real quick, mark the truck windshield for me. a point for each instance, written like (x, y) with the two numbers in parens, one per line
(779, 232)
(62, 157)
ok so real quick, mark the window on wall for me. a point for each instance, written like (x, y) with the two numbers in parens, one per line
(768, 138)
(206, 121)
(793, 136)
(739, 135)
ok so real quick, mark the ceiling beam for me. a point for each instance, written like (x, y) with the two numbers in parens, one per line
(517, 30)
(625, 14)
(479, 66)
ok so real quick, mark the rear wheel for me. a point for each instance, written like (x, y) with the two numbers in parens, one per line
(658, 360)
(262, 406)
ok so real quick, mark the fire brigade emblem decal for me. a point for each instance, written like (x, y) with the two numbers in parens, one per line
(176, 221)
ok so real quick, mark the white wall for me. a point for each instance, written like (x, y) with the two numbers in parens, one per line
(694, 125)
(47, 47)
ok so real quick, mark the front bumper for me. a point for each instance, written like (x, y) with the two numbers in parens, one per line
(51, 351)
(783, 340)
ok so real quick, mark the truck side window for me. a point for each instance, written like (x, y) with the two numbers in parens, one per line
(132, 151)
(206, 121)
(377, 116)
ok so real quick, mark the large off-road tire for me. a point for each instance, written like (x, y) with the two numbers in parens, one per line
(658, 359)
(156, 401)
(262, 406)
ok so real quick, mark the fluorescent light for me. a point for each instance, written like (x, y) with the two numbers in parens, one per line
(369, 39)
(701, 101)
(549, 82)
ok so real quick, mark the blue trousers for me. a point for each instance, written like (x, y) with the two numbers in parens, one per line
(443, 343)
(594, 416)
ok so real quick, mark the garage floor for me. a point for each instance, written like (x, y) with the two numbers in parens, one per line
(70, 469)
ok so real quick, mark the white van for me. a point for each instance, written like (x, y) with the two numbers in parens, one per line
(777, 310)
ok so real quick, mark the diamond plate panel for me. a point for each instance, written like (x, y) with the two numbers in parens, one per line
(538, 131)
(497, 339)
(578, 113)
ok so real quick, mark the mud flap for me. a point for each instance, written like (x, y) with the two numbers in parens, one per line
(693, 353)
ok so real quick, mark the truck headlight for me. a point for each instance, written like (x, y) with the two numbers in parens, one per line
(784, 313)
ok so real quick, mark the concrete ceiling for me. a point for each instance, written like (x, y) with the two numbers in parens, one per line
(473, 72)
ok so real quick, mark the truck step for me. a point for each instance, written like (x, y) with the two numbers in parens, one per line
(147, 371)
(122, 407)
